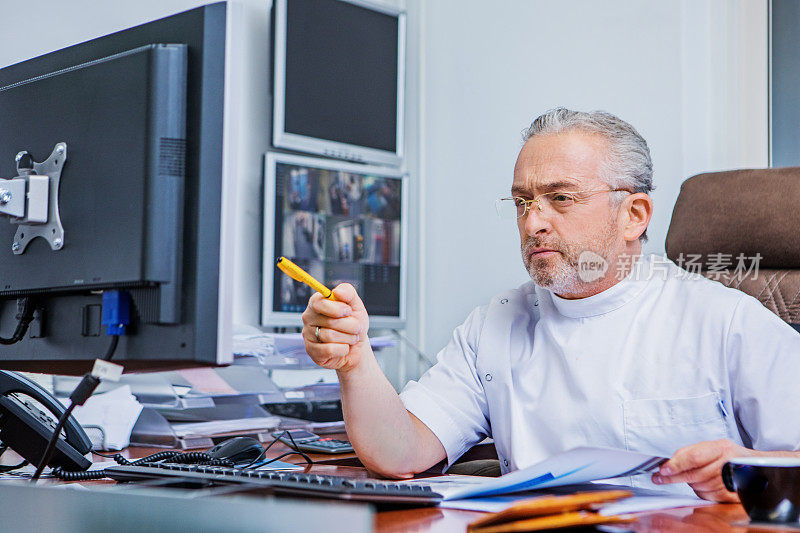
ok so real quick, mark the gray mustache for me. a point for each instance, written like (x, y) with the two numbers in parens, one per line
(536, 243)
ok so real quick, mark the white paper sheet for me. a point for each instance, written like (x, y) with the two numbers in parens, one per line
(638, 504)
(578, 465)
(108, 418)
(634, 504)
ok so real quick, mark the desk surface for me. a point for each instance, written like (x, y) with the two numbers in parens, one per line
(716, 518)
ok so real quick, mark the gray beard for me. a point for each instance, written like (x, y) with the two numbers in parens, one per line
(564, 276)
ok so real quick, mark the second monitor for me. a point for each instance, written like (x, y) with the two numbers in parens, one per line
(341, 222)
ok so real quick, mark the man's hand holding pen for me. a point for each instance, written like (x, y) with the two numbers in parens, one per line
(335, 332)
(335, 323)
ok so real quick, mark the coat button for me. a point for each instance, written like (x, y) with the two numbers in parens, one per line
(504, 301)
(488, 377)
(505, 462)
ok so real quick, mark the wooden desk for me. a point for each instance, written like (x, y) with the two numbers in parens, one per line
(717, 518)
(710, 519)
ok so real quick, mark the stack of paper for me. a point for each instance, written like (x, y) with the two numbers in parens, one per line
(642, 500)
(575, 470)
(285, 350)
(214, 428)
(578, 465)
(108, 418)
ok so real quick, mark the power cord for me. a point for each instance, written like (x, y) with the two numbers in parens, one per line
(4, 469)
(78, 397)
(116, 317)
(199, 458)
(25, 317)
(51, 445)
(255, 462)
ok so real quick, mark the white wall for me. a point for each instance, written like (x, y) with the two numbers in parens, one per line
(690, 76)
(40, 26)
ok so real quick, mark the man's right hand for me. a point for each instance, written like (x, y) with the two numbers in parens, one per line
(335, 332)
(389, 440)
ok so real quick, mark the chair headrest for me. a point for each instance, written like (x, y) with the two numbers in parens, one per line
(745, 212)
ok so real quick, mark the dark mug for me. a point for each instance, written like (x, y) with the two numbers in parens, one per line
(769, 487)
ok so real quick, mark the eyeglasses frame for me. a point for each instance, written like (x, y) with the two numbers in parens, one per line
(535, 199)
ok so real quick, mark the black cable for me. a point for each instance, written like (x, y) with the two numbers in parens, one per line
(81, 393)
(4, 469)
(183, 458)
(171, 456)
(86, 475)
(51, 445)
(281, 456)
(199, 458)
(111, 348)
(9, 468)
(293, 446)
(108, 456)
(25, 319)
(153, 458)
(297, 449)
(263, 452)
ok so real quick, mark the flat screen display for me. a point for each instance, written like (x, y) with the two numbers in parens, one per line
(341, 223)
(339, 79)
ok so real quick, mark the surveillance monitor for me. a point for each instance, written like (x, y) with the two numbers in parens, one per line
(340, 222)
(339, 79)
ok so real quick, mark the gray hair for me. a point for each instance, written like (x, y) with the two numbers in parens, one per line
(628, 165)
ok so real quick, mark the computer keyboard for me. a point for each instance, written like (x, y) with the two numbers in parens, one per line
(285, 482)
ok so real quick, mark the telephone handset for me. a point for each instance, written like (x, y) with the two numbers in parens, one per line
(26, 429)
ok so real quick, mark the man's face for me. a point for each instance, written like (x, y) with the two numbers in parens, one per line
(554, 241)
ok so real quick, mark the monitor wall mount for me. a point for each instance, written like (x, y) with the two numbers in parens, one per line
(31, 199)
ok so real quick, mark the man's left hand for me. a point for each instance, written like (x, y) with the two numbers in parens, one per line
(700, 465)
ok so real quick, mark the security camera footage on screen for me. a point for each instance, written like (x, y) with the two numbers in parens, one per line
(340, 227)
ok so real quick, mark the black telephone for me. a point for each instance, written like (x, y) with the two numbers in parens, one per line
(26, 429)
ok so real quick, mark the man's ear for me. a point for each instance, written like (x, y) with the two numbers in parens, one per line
(637, 209)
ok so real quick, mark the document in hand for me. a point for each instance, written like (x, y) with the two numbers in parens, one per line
(578, 465)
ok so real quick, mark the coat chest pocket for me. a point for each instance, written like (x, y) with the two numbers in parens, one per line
(662, 426)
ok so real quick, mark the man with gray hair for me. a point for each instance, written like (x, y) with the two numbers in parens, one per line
(604, 347)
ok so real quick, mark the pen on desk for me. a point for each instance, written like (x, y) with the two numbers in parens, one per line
(295, 272)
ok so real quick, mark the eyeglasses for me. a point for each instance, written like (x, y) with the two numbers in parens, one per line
(557, 201)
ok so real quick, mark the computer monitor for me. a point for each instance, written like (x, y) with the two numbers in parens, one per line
(341, 222)
(135, 122)
(339, 78)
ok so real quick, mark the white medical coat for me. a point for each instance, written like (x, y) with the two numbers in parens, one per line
(661, 360)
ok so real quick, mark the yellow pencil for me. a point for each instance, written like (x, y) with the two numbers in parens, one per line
(295, 272)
